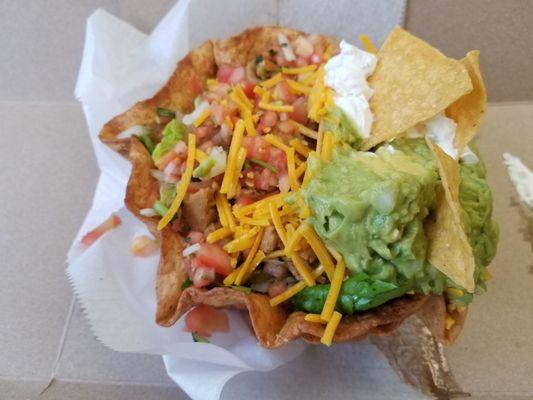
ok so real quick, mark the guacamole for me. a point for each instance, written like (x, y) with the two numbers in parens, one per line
(343, 129)
(371, 208)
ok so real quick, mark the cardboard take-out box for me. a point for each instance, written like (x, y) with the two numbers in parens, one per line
(48, 175)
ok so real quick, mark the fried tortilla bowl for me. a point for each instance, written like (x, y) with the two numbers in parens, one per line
(276, 325)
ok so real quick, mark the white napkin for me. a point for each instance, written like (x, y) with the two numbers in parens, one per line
(120, 66)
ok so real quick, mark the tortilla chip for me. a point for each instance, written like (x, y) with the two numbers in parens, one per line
(453, 333)
(142, 190)
(171, 274)
(415, 352)
(412, 82)
(241, 49)
(448, 247)
(469, 110)
(179, 92)
(275, 326)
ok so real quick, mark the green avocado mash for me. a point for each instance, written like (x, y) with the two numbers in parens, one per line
(344, 131)
(371, 208)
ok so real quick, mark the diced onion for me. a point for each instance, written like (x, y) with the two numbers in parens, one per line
(159, 175)
(191, 249)
(169, 169)
(219, 155)
(132, 130)
(148, 212)
(303, 47)
(190, 118)
(286, 47)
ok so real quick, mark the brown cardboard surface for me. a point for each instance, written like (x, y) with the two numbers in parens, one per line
(494, 354)
(500, 29)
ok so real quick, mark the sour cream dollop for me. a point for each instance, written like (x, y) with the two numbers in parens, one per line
(441, 130)
(347, 74)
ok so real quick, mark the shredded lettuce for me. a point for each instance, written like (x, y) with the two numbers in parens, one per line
(202, 170)
(174, 132)
(147, 141)
(167, 192)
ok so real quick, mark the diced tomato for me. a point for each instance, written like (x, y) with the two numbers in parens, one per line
(268, 120)
(276, 288)
(301, 62)
(244, 200)
(316, 58)
(258, 148)
(248, 89)
(211, 255)
(206, 320)
(163, 162)
(287, 127)
(112, 222)
(238, 75)
(300, 110)
(265, 180)
(202, 276)
(278, 159)
(171, 169)
(194, 237)
(228, 74)
(224, 72)
(143, 246)
(283, 92)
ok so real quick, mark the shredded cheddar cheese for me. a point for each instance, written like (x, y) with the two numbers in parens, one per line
(319, 249)
(327, 146)
(298, 87)
(277, 143)
(200, 155)
(275, 254)
(243, 242)
(300, 147)
(242, 96)
(276, 220)
(331, 327)
(298, 71)
(258, 90)
(230, 279)
(291, 169)
(249, 123)
(235, 145)
(244, 268)
(276, 107)
(181, 188)
(202, 117)
(272, 81)
(219, 234)
(334, 290)
(300, 170)
(314, 318)
(227, 121)
(303, 269)
(297, 287)
(367, 43)
(239, 163)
